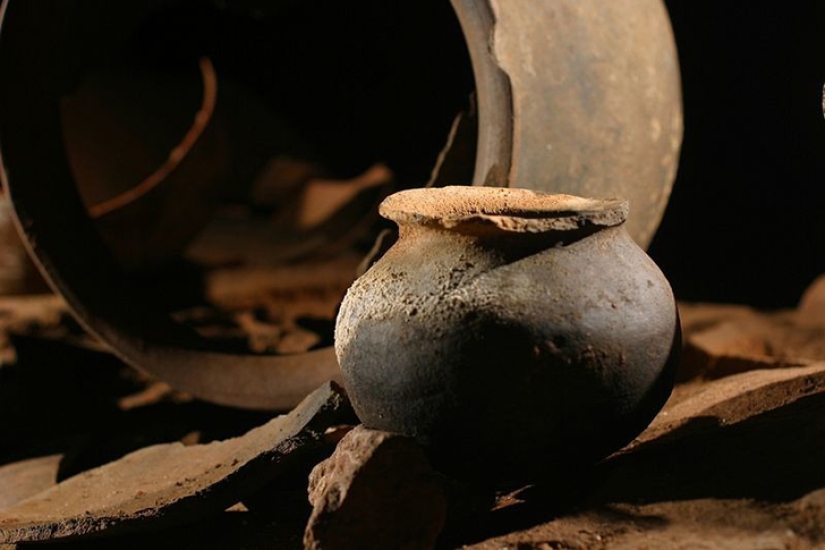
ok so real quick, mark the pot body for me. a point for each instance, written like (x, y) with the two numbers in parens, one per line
(510, 353)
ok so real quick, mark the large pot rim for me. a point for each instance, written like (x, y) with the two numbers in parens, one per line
(506, 209)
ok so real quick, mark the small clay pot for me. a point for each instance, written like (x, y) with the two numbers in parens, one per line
(509, 331)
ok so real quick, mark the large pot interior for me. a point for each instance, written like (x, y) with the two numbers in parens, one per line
(324, 94)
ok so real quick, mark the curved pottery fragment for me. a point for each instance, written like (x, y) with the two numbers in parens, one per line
(509, 330)
(574, 96)
(579, 97)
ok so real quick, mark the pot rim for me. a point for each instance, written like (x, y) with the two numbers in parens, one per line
(510, 210)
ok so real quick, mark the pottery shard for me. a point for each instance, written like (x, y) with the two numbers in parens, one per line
(21, 480)
(169, 484)
(376, 491)
(738, 397)
(751, 342)
(811, 310)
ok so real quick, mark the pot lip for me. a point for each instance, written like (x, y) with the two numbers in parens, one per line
(511, 210)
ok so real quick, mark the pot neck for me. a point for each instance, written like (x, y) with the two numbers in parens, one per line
(502, 217)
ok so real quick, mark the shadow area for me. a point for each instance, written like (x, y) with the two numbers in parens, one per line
(63, 399)
(776, 456)
(228, 531)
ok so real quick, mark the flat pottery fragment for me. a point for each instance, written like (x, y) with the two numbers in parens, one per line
(738, 397)
(377, 490)
(811, 310)
(171, 484)
(696, 317)
(751, 342)
(24, 479)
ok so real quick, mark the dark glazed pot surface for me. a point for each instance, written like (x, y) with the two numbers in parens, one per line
(509, 330)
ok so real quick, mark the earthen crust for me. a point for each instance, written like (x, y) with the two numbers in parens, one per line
(511, 210)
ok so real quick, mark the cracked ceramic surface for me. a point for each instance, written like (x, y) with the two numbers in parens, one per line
(508, 349)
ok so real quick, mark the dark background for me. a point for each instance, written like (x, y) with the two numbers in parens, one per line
(744, 223)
